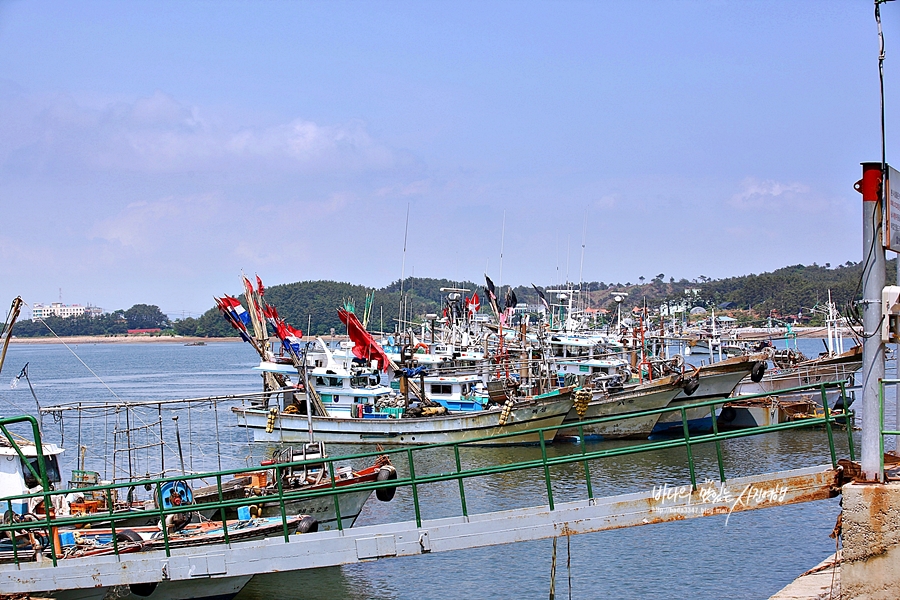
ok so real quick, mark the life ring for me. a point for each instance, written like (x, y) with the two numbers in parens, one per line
(386, 473)
(422, 346)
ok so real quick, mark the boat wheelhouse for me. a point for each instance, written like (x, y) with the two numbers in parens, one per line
(17, 478)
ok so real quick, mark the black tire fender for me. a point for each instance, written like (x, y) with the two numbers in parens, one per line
(728, 414)
(758, 370)
(386, 473)
(308, 524)
(143, 589)
(691, 385)
(128, 535)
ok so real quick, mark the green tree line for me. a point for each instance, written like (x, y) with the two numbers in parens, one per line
(312, 305)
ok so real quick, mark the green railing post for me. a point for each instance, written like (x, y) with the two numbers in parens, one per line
(222, 509)
(587, 470)
(415, 487)
(715, 428)
(111, 506)
(828, 427)
(881, 429)
(546, 468)
(687, 445)
(337, 504)
(162, 520)
(280, 484)
(12, 533)
(847, 423)
(462, 491)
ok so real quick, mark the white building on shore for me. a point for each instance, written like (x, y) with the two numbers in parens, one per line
(63, 311)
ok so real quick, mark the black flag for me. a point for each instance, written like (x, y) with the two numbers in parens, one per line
(543, 297)
(511, 300)
(492, 294)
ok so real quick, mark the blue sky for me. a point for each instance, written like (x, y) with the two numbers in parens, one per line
(150, 151)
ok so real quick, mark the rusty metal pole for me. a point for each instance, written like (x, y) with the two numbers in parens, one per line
(873, 348)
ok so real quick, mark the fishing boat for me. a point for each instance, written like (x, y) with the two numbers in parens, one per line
(791, 370)
(341, 412)
(307, 477)
(95, 542)
(650, 395)
(715, 380)
(273, 424)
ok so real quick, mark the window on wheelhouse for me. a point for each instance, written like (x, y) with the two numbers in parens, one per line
(362, 381)
(52, 471)
(441, 388)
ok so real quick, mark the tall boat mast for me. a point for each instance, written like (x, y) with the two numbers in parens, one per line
(6, 334)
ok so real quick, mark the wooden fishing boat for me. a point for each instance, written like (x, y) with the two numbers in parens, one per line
(308, 477)
(545, 410)
(650, 395)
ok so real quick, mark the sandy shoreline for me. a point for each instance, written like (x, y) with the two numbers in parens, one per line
(121, 339)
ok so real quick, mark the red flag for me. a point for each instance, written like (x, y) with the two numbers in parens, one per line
(270, 312)
(365, 346)
(473, 304)
(259, 286)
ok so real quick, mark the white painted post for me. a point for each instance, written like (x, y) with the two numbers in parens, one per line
(873, 348)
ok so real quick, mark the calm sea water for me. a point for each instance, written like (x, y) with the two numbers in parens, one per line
(752, 556)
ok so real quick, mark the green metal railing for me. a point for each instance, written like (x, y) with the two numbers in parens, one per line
(883, 432)
(413, 480)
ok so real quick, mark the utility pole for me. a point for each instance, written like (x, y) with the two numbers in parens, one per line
(870, 186)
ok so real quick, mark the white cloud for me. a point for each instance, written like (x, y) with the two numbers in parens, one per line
(145, 225)
(414, 188)
(770, 195)
(158, 134)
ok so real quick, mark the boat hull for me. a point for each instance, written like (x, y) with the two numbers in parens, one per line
(460, 427)
(321, 508)
(717, 380)
(776, 381)
(622, 403)
(206, 588)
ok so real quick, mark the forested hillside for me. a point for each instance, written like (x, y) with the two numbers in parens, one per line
(312, 305)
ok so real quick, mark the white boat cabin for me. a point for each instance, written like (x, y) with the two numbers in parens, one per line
(457, 392)
(16, 478)
(342, 383)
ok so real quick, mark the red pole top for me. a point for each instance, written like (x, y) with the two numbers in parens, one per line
(870, 184)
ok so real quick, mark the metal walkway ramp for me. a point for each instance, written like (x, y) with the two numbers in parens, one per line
(423, 536)
(332, 548)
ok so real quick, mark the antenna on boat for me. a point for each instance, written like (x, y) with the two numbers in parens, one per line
(583, 238)
(15, 382)
(403, 267)
(502, 238)
(582, 299)
(178, 441)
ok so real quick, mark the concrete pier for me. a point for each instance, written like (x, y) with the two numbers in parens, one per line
(870, 568)
(822, 582)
